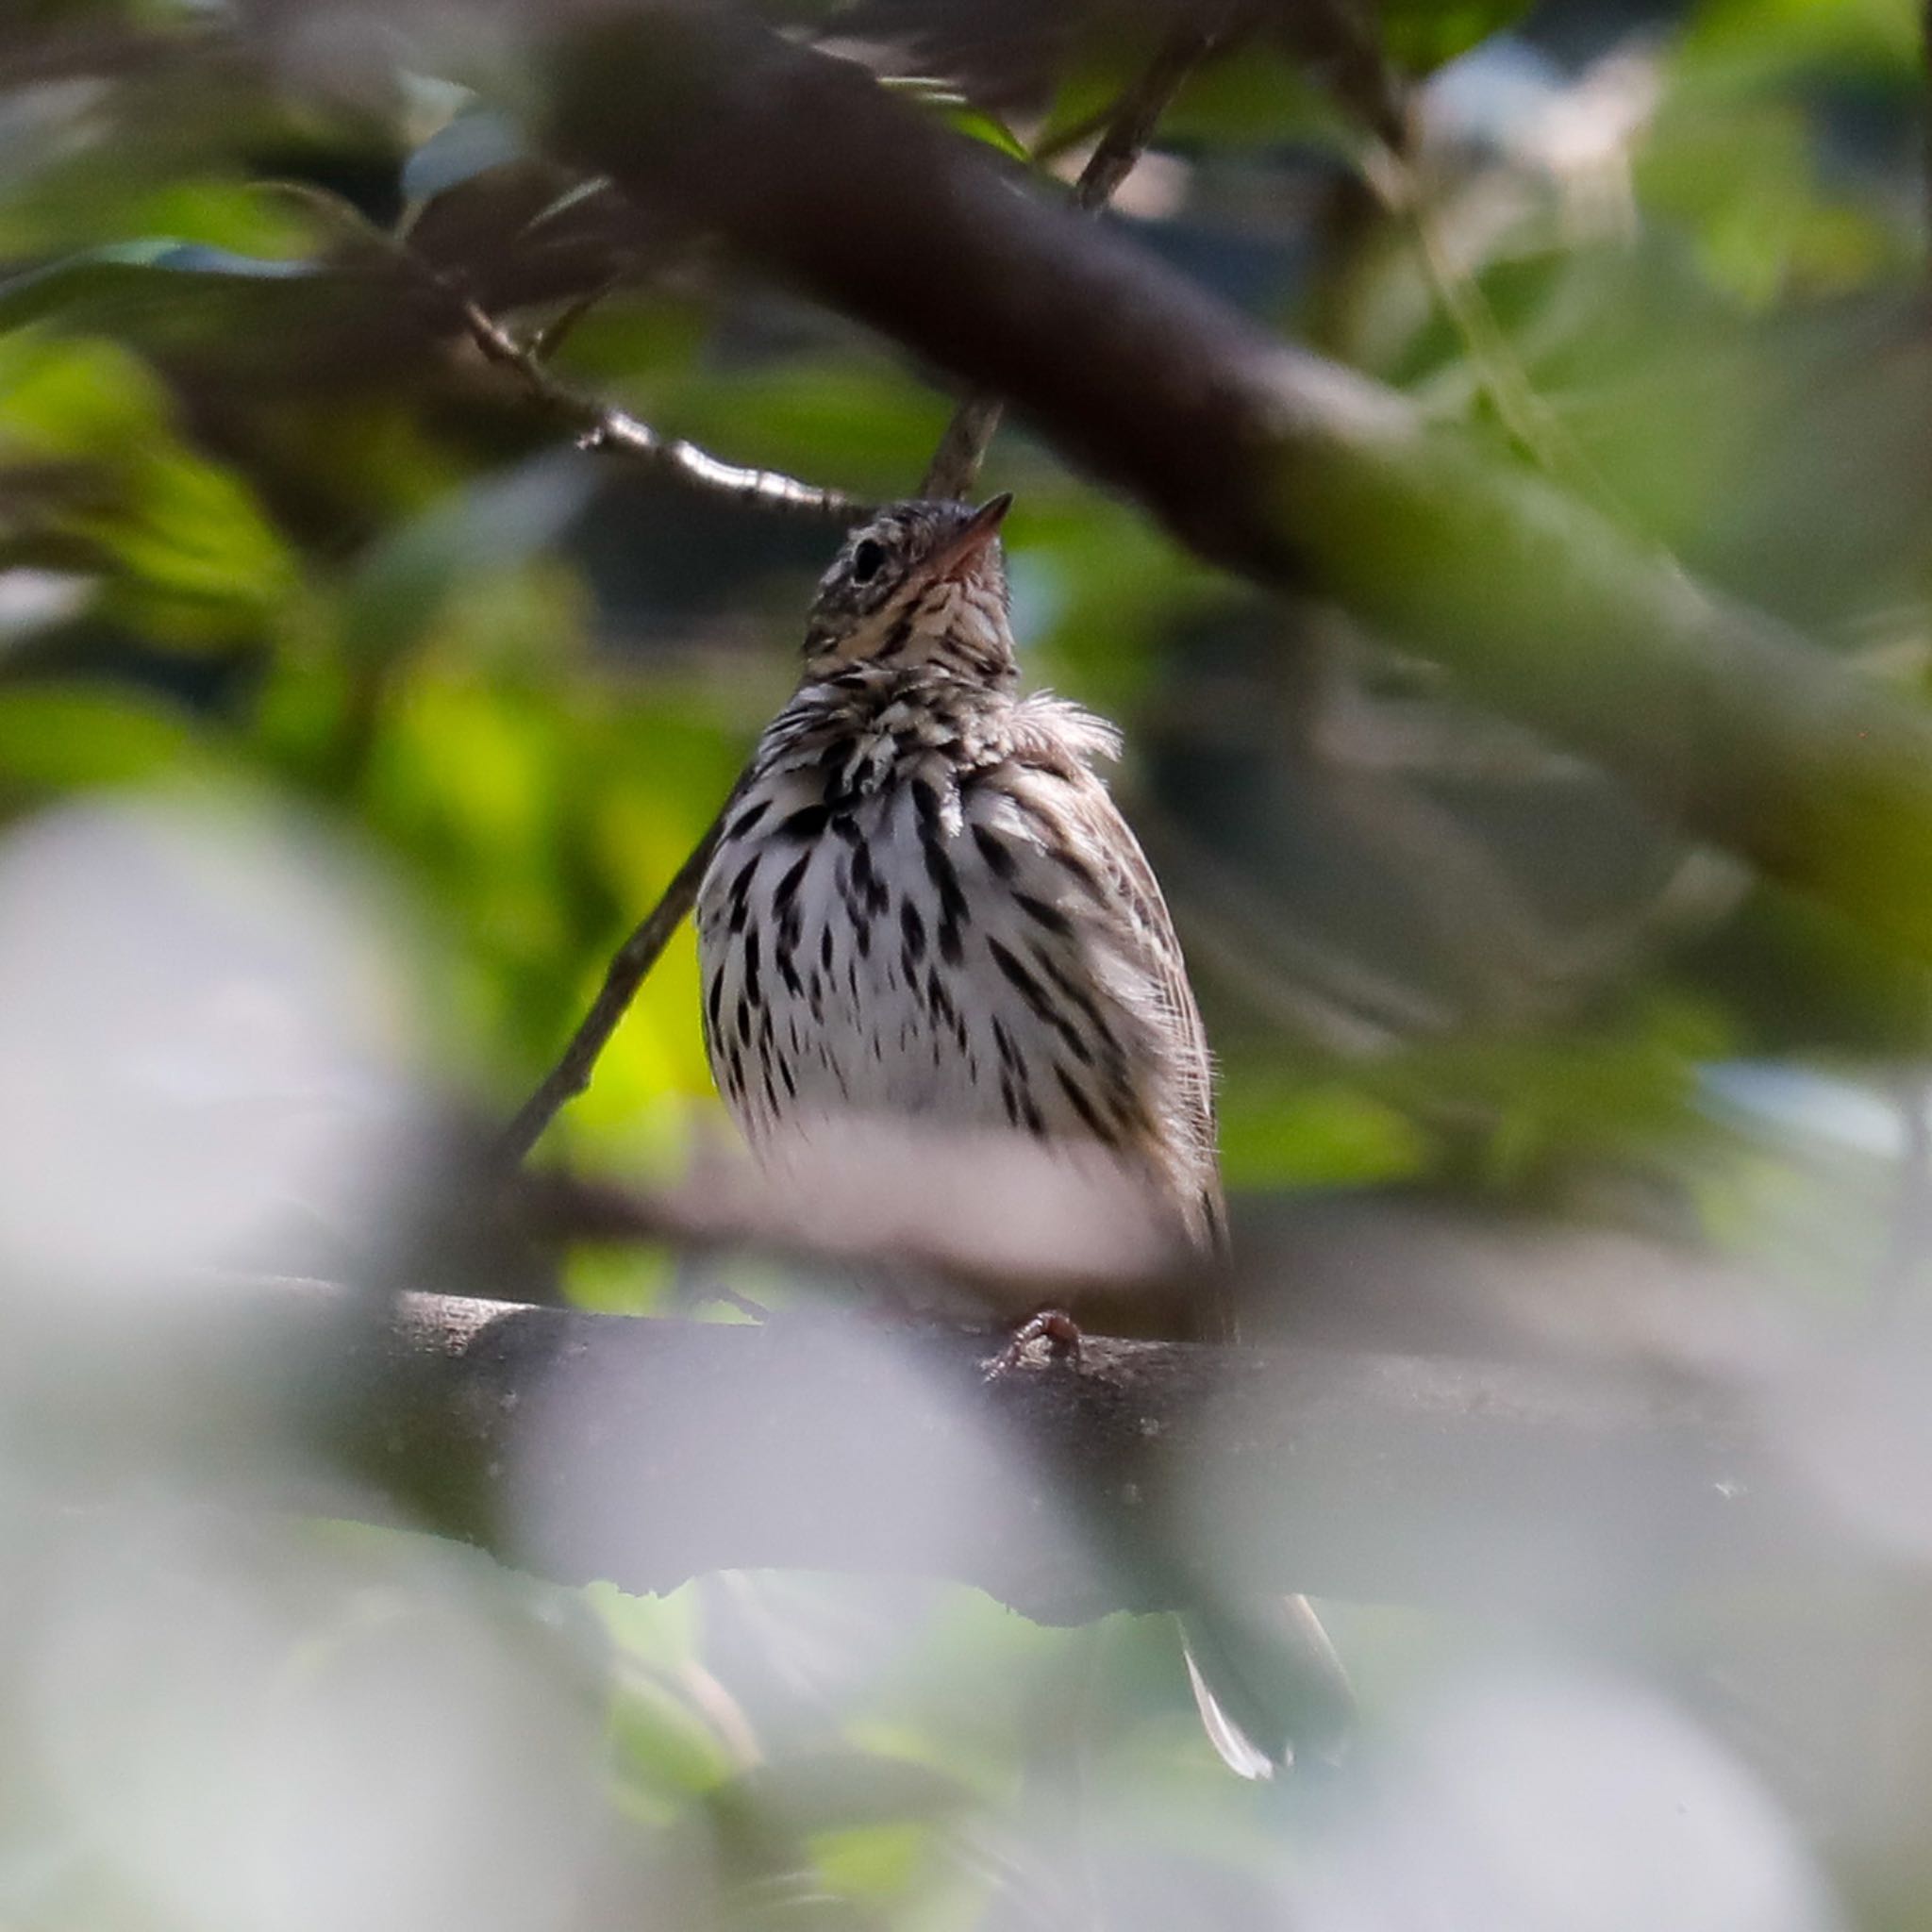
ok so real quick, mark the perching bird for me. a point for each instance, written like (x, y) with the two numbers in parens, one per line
(924, 903)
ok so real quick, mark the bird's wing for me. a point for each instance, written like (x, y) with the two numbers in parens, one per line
(1123, 897)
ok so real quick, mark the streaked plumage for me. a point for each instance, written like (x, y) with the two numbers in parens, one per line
(925, 904)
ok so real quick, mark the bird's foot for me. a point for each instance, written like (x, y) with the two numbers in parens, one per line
(1050, 1337)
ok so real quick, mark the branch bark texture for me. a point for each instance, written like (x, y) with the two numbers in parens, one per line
(1266, 459)
(584, 1446)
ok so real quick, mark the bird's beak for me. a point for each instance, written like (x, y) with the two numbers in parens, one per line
(953, 559)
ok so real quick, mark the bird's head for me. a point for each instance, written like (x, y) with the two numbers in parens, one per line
(920, 587)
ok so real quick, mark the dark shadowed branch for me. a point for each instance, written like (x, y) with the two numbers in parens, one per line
(646, 1452)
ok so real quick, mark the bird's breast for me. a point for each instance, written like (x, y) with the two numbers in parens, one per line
(915, 949)
(833, 943)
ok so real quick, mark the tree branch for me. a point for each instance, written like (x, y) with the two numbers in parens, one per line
(1268, 459)
(646, 1452)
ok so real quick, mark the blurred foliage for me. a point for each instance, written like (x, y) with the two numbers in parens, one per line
(270, 527)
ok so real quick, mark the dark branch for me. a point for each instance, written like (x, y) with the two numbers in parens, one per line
(646, 1452)
(1267, 458)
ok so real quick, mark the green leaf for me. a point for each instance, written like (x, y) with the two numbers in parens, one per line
(1747, 185)
(961, 114)
(93, 283)
(871, 427)
(1329, 1135)
(1768, 43)
(1256, 100)
(71, 738)
(988, 129)
(186, 552)
(1424, 34)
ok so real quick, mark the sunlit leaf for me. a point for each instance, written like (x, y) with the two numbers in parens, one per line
(959, 114)
(187, 550)
(1764, 41)
(1315, 1135)
(62, 737)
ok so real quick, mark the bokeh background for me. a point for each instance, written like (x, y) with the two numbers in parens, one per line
(350, 716)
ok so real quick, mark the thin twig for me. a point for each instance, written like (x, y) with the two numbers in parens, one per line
(1077, 133)
(626, 973)
(954, 467)
(599, 425)
(962, 448)
(1537, 429)
(1129, 127)
(545, 341)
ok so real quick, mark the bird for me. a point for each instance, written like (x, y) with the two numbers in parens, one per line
(924, 903)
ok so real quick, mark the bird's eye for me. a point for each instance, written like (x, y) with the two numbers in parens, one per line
(868, 560)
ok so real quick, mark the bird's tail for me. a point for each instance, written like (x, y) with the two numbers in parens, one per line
(1270, 1687)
